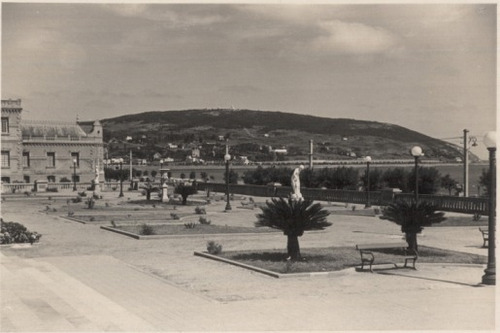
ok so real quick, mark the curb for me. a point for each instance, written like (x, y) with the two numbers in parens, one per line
(141, 237)
(265, 271)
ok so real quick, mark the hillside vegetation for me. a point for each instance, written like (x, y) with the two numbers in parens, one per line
(252, 133)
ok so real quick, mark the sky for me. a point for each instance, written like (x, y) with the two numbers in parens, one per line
(427, 67)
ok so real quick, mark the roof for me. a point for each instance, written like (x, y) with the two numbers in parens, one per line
(50, 129)
(86, 126)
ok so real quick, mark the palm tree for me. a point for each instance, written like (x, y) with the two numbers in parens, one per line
(412, 218)
(293, 217)
(149, 188)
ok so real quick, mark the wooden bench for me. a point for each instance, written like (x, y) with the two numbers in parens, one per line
(367, 256)
(484, 233)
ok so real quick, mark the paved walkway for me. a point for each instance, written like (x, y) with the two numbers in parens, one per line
(80, 278)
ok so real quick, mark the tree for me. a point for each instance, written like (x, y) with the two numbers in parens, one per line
(192, 175)
(412, 217)
(149, 188)
(396, 178)
(233, 177)
(375, 180)
(485, 180)
(429, 180)
(293, 217)
(184, 191)
(204, 175)
(448, 183)
(154, 173)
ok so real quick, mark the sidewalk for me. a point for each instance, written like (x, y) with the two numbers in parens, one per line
(100, 293)
(80, 278)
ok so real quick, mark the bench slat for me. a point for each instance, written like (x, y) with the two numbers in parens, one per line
(381, 246)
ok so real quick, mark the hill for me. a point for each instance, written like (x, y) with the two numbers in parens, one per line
(252, 133)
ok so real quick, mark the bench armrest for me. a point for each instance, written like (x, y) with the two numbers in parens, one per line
(367, 255)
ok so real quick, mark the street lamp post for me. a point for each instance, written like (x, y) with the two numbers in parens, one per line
(416, 152)
(121, 178)
(489, 276)
(368, 159)
(227, 157)
(161, 169)
(74, 174)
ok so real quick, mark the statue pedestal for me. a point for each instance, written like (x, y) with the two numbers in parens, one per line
(164, 192)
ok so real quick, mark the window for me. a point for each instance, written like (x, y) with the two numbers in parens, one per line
(5, 125)
(51, 160)
(26, 179)
(51, 179)
(75, 178)
(5, 159)
(75, 157)
(6, 180)
(26, 159)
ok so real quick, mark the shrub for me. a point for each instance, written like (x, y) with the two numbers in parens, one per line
(476, 217)
(28, 194)
(204, 220)
(77, 199)
(184, 191)
(214, 247)
(71, 213)
(113, 224)
(114, 188)
(64, 180)
(200, 210)
(82, 194)
(174, 216)
(13, 232)
(52, 189)
(190, 225)
(92, 219)
(147, 230)
(90, 203)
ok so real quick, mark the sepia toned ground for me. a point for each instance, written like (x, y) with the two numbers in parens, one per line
(83, 278)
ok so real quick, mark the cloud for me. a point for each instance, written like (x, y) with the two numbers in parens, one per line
(240, 89)
(353, 38)
(170, 15)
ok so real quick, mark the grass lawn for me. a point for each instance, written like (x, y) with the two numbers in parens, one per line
(199, 229)
(338, 258)
(462, 221)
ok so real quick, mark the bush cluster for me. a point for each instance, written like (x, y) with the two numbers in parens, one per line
(147, 230)
(13, 232)
(204, 220)
(200, 210)
(214, 247)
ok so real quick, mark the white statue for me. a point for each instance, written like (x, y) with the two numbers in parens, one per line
(296, 195)
(96, 180)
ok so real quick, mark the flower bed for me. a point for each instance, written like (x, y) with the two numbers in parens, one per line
(197, 229)
(338, 258)
(13, 232)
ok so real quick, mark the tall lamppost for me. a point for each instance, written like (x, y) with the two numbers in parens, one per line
(473, 141)
(368, 159)
(489, 276)
(161, 169)
(227, 157)
(121, 178)
(74, 174)
(416, 152)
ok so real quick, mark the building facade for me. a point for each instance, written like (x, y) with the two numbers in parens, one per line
(49, 151)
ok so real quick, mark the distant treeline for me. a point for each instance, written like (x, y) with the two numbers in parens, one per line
(349, 178)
